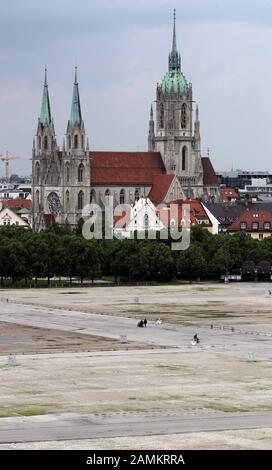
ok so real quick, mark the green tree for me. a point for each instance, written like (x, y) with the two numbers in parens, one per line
(37, 256)
(221, 263)
(191, 263)
(162, 263)
(51, 255)
(17, 262)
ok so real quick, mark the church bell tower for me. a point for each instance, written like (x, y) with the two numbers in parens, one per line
(175, 138)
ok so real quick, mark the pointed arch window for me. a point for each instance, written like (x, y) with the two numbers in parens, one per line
(37, 172)
(92, 196)
(37, 199)
(76, 141)
(161, 116)
(80, 200)
(137, 195)
(107, 196)
(70, 141)
(80, 173)
(184, 159)
(82, 141)
(40, 142)
(67, 172)
(122, 196)
(146, 221)
(45, 142)
(183, 116)
(67, 200)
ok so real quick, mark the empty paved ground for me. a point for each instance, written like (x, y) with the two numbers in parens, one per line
(215, 377)
(95, 426)
(161, 335)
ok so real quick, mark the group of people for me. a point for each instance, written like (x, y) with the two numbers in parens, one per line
(142, 323)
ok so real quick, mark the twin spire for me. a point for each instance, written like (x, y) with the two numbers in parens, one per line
(75, 115)
(45, 117)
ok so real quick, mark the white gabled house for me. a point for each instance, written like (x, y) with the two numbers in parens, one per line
(8, 218)
(140, 217)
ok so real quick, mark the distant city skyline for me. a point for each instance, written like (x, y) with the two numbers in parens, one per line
(121, 49)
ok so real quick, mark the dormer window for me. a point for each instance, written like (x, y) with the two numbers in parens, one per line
(243, 226)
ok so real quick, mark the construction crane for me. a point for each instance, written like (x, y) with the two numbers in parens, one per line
(6, 159)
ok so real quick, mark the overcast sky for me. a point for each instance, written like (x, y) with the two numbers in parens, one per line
(121, 48)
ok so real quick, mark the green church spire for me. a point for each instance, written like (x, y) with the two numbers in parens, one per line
(174, 80)
(174, 56)
(174, 43)
(75, 116)
(45, 117)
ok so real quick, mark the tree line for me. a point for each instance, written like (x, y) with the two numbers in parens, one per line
(56, 252)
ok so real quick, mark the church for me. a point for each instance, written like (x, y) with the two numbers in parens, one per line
(65, 179)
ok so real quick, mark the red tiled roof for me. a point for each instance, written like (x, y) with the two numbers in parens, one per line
(250, 216)
(197, 211)
(125, 168)
(209, 176)
(160, 188)
(228, 194)
(198, 215)
(17, 203)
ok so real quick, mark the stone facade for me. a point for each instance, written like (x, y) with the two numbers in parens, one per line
(177, 138)
(66, 180)
(60, 179)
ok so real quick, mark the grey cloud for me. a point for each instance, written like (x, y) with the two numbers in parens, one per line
(121, 48)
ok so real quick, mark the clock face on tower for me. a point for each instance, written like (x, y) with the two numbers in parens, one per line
(53, 203)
